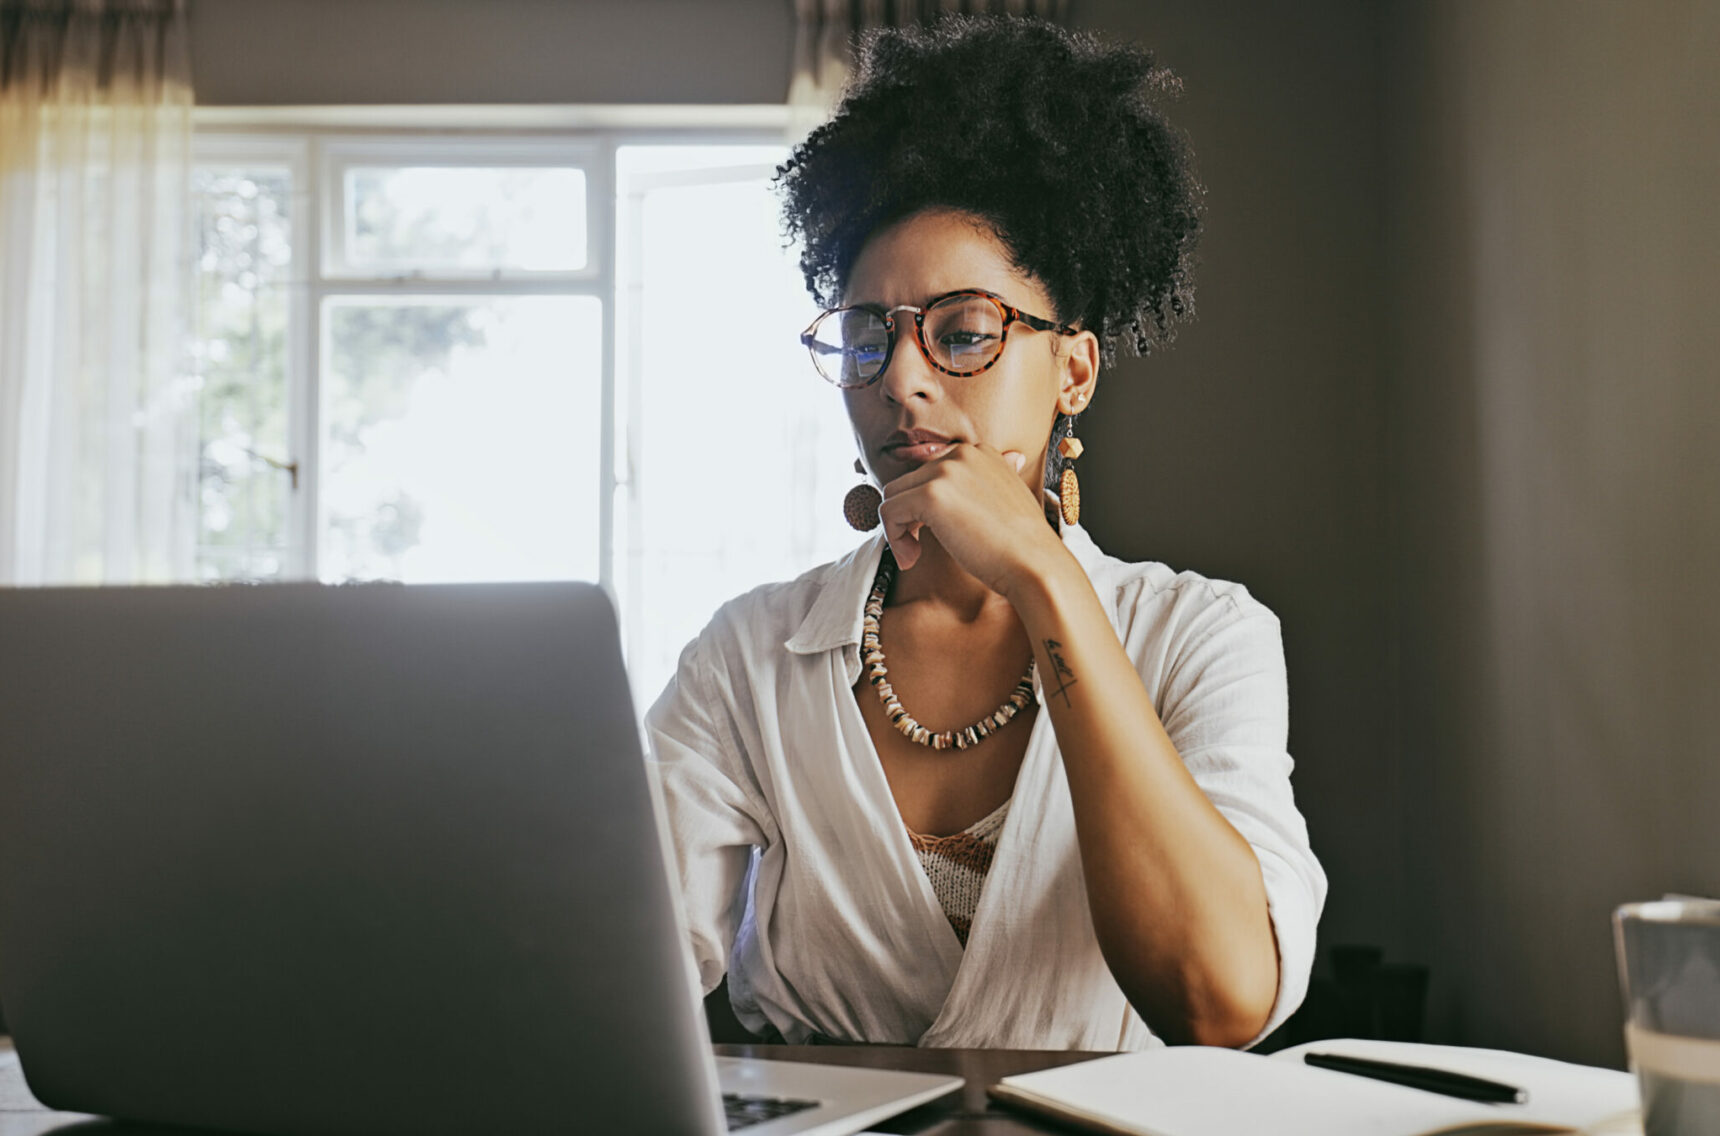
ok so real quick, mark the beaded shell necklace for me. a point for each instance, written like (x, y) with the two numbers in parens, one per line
(872, 654)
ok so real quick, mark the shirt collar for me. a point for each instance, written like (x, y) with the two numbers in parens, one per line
(835, 617)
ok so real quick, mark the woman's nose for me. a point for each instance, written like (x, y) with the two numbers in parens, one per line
(910, 374)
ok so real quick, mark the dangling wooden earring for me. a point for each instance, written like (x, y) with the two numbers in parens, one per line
(1069, 486)
(860, 507)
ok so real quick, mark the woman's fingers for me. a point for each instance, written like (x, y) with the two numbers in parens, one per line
(901, 529)
(903, 508)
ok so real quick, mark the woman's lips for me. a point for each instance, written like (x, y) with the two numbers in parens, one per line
(916, 445)
(917, 451)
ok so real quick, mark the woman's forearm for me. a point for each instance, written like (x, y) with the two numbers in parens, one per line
(1178, 902)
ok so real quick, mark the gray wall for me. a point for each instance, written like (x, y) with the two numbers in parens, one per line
(1252, 449)
(272, 52)
(1444, 410)
(1556, 426)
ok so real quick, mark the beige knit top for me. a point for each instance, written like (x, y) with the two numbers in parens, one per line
(957, 866)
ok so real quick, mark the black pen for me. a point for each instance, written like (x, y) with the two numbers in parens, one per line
(1421, 1077)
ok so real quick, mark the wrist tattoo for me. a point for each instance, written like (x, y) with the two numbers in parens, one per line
(1060, 669)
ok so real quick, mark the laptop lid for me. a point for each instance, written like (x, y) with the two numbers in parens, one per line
(396, 843)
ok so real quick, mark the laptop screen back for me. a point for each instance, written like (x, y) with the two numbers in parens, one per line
(396, 843)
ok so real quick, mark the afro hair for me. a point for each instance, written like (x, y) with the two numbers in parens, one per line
(1053, 138)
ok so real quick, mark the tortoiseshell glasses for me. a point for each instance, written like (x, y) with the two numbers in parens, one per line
(959, 333)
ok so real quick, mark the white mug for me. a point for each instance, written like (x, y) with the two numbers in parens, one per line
(1669, 968)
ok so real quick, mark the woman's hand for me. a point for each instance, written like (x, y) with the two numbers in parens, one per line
(973, 500)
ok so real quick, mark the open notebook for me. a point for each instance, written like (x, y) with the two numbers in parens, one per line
(1191, 1091)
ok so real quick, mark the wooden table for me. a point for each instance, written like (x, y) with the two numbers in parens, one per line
(966, 1114)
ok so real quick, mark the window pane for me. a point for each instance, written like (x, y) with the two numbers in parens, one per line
(743, 453)
(461, 438)
(244, 243)
(463, 218)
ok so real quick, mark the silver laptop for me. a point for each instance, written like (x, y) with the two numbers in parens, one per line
(364, 859)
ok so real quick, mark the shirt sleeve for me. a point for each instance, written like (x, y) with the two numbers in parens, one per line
(715, 811)
(1224, 703)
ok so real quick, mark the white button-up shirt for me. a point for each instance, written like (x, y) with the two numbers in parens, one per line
(797, 873)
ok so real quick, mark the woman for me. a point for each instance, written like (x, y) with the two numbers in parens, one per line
(977, 783)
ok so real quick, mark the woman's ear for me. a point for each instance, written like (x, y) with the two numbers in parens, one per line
(1079, 362)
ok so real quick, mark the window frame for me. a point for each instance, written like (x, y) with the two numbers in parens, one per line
(317, 144)
(339, 152)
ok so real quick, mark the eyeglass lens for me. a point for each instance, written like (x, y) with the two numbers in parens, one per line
(962, 334)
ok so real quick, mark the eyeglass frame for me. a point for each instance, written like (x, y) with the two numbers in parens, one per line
(1011, 315)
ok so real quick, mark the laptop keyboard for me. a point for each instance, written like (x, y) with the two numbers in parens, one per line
(744, 1112)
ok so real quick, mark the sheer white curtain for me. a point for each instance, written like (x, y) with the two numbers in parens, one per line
(824, 38)
(97, 426)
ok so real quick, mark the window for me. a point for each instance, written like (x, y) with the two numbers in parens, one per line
(480, 356)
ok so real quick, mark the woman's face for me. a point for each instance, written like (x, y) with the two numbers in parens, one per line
(913, 412)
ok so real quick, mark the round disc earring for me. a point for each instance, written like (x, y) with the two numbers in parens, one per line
(860, 506)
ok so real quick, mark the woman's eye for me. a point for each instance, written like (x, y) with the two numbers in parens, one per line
(967, 348)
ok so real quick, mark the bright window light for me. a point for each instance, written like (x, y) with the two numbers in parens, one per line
(244, 264)
(740, 453)
(424, 219)
(460, 438)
